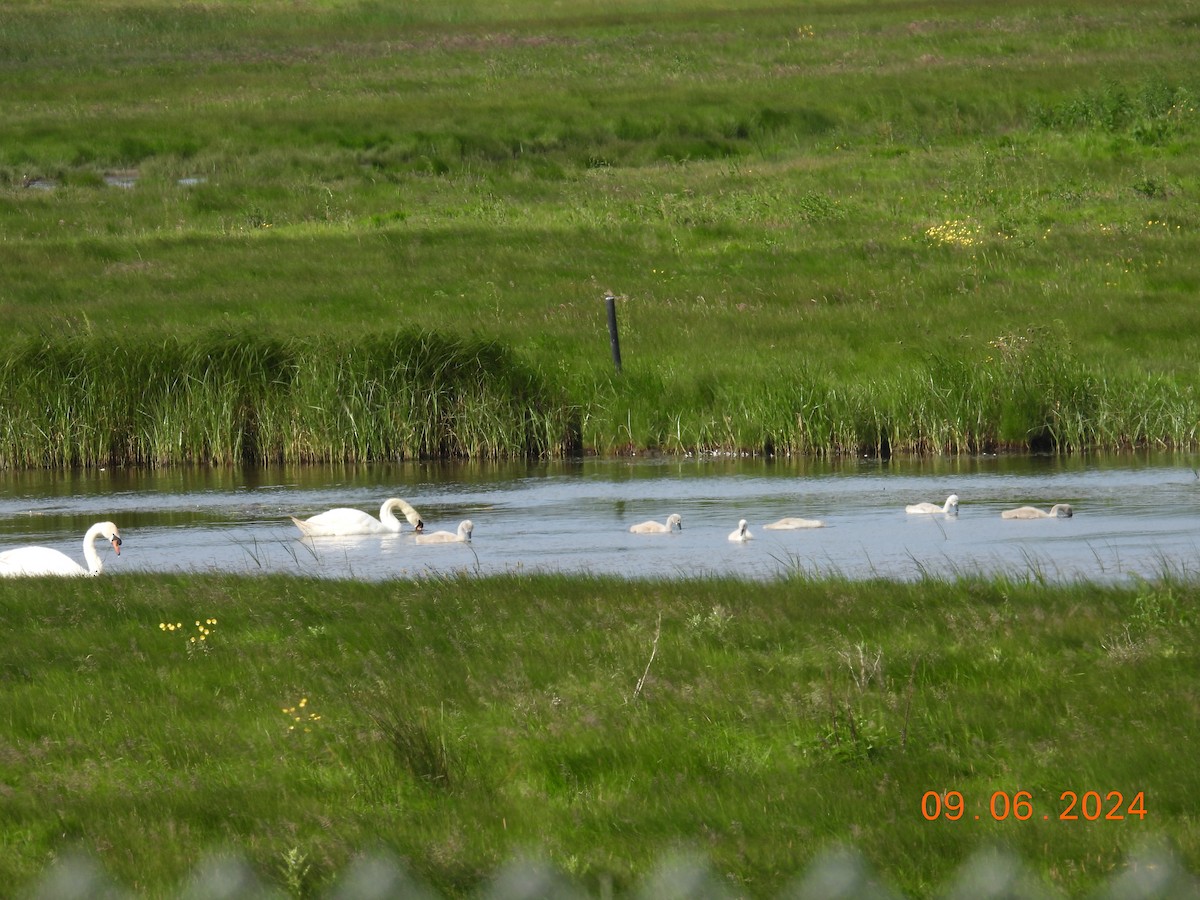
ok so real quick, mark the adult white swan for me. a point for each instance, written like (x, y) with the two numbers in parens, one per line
(741, 534)
(31, 561)
(463, 535)
(342, 521)
(1057, 511)
(673, 522)
(790, 523)
(950, 508)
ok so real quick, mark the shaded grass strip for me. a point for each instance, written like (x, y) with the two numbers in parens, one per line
(226, 398)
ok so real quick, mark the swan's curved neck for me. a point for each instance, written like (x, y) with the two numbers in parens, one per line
(94, 564)
(387, 517)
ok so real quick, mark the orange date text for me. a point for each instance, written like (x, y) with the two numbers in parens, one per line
(1089, 806)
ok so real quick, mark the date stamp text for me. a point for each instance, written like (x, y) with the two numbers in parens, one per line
(1090, 806)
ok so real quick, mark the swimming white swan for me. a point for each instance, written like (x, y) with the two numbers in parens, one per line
(673, 522)
(741, 533)
(950, 508)
(465, 527)
(1057, 511)
(47, 561)
(343, 521)
(790, 523)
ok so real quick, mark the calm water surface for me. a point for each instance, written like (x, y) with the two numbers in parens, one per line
(1134, 517)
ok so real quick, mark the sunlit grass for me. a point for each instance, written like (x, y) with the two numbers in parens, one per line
(817, 226)
(597, 722)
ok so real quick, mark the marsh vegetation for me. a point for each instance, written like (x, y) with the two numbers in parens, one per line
(841, 231)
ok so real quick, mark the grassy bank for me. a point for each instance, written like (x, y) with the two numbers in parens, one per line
(248, 398)
(598, 722)
(828, 230)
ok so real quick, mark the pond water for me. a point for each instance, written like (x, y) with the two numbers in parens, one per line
(1134, 517)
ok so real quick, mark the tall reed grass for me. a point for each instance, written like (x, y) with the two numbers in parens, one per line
(1030, 394)
(225, 398)
(248, 398)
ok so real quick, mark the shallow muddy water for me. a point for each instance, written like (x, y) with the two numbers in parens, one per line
(1134, 517)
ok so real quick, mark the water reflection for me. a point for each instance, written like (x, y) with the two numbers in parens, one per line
(1135, 516)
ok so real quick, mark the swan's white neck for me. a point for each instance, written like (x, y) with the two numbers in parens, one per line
(94, 565)
(387, 517)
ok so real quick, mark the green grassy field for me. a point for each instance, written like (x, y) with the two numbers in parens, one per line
(599, 723)
(830, 229)
(333, 231)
